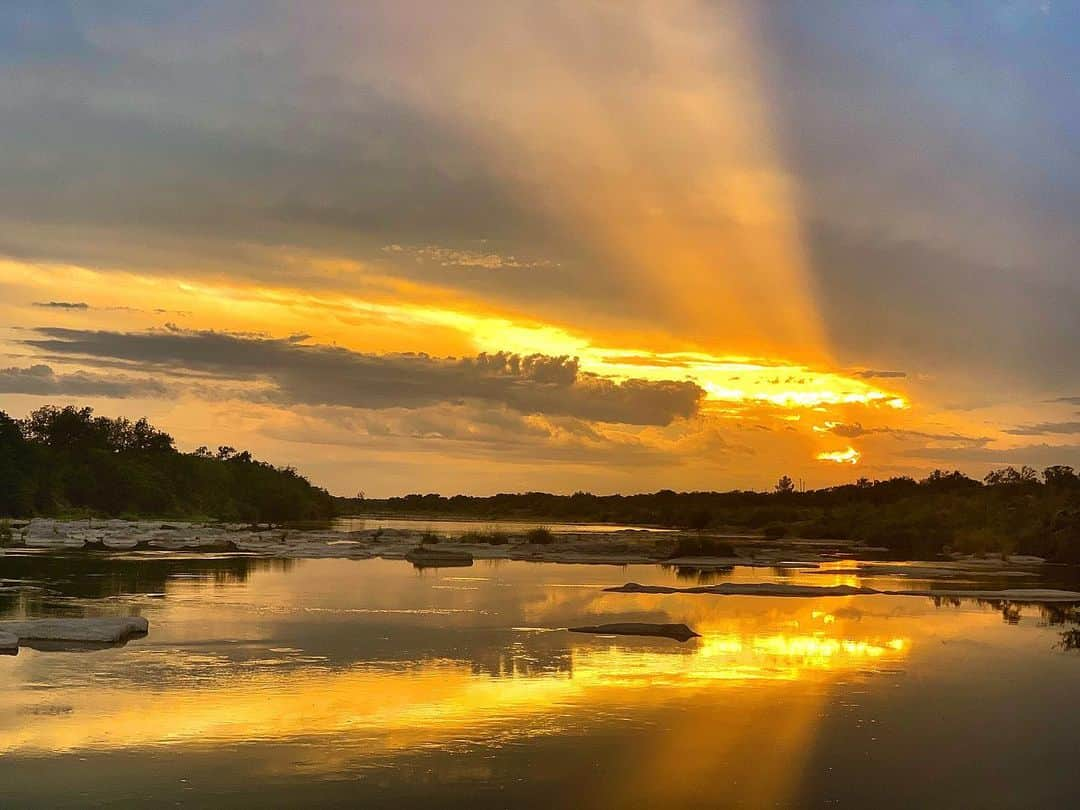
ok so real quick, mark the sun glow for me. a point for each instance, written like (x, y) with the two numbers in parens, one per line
(848, 456)
(433, 318)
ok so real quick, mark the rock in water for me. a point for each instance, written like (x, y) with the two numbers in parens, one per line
(9, 643)
(679, 632)
(94, 631)
(423, 557)
(749, 589)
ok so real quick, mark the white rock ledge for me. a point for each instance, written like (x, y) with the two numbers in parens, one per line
(9, 643)
(106, 630)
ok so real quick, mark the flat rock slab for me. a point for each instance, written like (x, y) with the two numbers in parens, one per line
(9, 643)
(749, 589)
(1030, 595)
(438, 558)
(679, 632)
(102, 630)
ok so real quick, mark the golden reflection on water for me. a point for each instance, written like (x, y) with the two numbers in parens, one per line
(748, 695)
(395, 705)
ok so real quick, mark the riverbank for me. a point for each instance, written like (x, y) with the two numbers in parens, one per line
(689, 550)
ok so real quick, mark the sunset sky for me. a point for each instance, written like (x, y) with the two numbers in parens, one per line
(502, 246)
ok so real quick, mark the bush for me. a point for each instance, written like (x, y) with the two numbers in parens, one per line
(775, 531)
(698, 520)
(491, 537)
(702, 547)
(983, 540)
(540, 536)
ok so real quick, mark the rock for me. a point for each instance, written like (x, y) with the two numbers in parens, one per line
(109, 630)
(9, 643)
(679, 632)
(424, 557)
(57, 541)
(749, 589)
(1026, 595)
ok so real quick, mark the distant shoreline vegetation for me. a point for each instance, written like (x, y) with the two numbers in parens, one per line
(66, 461)
(1011, 511)
(69, 462)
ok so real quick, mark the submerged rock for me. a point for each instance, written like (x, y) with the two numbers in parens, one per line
(424, 557)
(679, 632)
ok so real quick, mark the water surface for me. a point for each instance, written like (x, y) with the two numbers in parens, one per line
(345, 683)
(453, 527)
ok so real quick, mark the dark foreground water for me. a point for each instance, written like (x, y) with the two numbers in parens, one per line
(329, 683)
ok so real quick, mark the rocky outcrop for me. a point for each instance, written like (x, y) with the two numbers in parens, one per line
(749, 589)
(679, 632)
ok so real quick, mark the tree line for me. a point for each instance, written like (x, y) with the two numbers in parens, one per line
(67, 461)
(1012, 510)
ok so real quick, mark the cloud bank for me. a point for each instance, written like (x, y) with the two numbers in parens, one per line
(313, 374)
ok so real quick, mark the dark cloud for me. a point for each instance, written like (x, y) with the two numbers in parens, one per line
(975, 321)
(960, 103)
(1037, 455)
(1044, 428)
(81, 306)
(854, 430)
(1068, 400)
(471, 431)
(850, 431)
(41, 380)
(327, 375)
(61, 305)
(870, 374)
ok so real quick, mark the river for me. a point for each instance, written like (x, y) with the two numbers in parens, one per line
(334, 682)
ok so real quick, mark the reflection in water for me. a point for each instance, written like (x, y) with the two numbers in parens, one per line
(98, 576)
(455, 527)
(699, 576)
(321, 670)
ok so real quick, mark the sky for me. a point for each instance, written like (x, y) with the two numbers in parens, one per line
(478, 247)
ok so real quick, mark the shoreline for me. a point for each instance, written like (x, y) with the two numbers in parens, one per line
(617, 547)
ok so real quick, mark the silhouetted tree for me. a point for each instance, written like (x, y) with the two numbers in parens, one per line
(60, 459)
(1060, 476)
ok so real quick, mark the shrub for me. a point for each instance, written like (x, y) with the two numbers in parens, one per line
(698, 520)
(982, 540)
(540, 536)
(702, 547)
(492, 537)
(775, 531)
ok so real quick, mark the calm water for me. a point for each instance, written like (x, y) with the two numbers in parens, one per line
(368, 683)
(351, 524)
